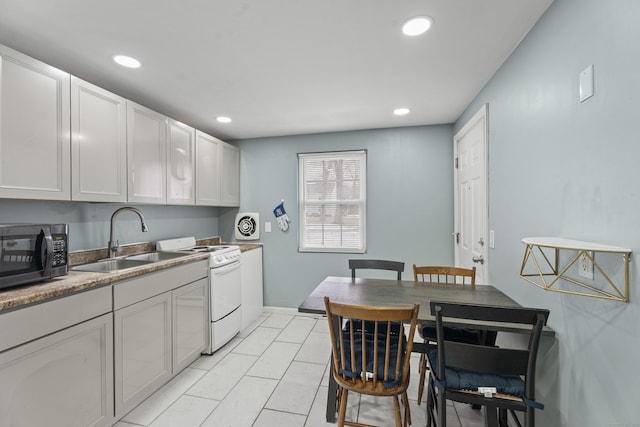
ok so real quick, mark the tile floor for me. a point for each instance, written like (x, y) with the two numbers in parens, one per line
(273, 374)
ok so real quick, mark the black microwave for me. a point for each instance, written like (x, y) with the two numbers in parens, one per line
(32, 253)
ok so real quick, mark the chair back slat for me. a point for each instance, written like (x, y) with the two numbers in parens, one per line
(492, 360)
(370, 347)
(375, 264)
(444, 274)
(520, 315)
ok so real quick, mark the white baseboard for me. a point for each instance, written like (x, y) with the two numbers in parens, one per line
(288, 311)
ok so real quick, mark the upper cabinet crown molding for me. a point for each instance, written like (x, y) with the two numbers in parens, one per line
(98, 144)
(35, 131)
(146, 155)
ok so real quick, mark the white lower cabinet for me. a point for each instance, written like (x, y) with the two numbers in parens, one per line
(251, 286)
(64, 379)
(90, 358)
(190, 322)
(142, 337)
(160, 327)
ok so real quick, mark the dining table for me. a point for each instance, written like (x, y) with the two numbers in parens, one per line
(383, 292)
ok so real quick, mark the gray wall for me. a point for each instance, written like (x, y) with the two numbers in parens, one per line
(559, 167)
(409, 203)
(89, 222)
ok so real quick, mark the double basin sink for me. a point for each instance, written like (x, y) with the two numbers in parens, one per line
(121, 263)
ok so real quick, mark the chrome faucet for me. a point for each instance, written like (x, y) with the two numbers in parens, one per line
(113, 244)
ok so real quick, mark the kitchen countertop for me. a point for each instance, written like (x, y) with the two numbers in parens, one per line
(78, 281)
(244, 247)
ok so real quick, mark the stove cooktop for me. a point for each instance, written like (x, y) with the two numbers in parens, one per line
(210, 248)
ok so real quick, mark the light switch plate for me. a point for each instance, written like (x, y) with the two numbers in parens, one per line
(267, 227)
(586, 83)
(492, 239)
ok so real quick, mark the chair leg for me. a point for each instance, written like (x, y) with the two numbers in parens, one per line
(430, 414)
(491, 416)
(396, 411)
(343, 406)
(503, 420)
(423, 370)
(515, 417)
(442, 409)
(529, 418)
(407, 410)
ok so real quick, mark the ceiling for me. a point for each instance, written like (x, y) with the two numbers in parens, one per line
(278, 67)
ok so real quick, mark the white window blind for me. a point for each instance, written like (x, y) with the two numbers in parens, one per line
(332, 201)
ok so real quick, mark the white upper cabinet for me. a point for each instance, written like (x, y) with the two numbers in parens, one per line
(181, 144)
(34, 129)
(146, 155)
(230, 175)
(98, 144)
(207, 170)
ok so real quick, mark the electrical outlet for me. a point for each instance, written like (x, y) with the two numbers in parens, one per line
(585, 265)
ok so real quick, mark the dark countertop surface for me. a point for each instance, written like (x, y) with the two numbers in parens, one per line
(78, 281)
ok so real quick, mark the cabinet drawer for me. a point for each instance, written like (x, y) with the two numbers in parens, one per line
(26, 324)
(131, 291)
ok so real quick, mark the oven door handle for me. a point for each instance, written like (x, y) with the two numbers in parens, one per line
(226, 269)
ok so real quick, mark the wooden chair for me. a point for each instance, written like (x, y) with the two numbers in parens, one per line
(371, 361)
(459, 370)
(375, 264)
(443, 274)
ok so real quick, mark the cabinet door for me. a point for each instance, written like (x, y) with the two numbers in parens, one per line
(146, 155)
(64, 379)
(190, 323)
(230, 175)
(207, 170)
(142, 344)
(252, 293)
(34, 129)
(98, 144)
(180, 164)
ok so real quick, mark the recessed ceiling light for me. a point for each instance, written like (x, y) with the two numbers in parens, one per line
(126, 61)
(401, 111)
(223, 119)
(416, 26)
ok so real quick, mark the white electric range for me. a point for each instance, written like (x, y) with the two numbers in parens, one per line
(225, 290)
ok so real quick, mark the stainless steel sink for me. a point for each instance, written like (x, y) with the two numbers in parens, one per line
(111, 265)
(157, 256)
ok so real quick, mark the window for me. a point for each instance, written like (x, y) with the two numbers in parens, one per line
(332, 201)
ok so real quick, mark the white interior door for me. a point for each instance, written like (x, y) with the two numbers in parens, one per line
(471, 205)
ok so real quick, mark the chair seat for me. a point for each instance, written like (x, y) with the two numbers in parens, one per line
(461, 379)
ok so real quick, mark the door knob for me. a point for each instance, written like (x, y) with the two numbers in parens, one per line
(478, 259)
